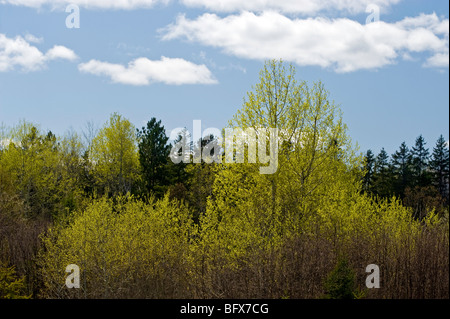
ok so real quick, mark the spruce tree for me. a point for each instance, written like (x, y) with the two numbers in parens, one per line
(420, 158)
(369, 170)
(402, 169)
(439, 165)
(382, 174)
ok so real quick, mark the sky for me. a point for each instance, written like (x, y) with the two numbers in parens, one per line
(385, 63)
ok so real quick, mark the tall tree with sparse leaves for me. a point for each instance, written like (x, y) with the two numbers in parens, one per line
(114, 156)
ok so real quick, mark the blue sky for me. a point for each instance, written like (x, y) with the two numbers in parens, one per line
(185, 60)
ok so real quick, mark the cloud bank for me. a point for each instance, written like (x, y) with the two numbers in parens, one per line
(341, 44)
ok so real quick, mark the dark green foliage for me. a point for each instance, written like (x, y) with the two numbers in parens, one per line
(402, 169)
(420, 180)
(420, 157)
(341, 282)
(153, 156)
(11, 287)
(382, 178)
(369, 168)
(439, 165)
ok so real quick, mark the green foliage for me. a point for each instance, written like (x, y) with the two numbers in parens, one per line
(382, 175)
(440, 165)
(369, 170)
(117, 244)
(153, 156)
(411, 175)
(341, 282)
(420, 158)
(11, 287)
(42, 169)
(114, 156)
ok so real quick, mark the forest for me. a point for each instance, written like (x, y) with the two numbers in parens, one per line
(111, 201)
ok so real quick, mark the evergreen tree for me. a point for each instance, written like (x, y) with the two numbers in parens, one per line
(420, 157)
(402, 169)
(439, 164)
(153, 156)
(382, 175)
(369, 170)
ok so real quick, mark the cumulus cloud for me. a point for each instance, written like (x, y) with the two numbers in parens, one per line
(18, 52)
(60, 52)
(143, 71)
(341, 44)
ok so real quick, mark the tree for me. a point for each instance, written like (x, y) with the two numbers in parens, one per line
(317, 171)
(200, 177)
(402, 169)
(420, 156)
(439, 165)
(153, 156)
(114, 156)
(382, 178)
(340, 283)
(32, 160)
(369, 170)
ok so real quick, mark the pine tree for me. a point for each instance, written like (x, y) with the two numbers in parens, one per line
(153, 156)
(439, 164)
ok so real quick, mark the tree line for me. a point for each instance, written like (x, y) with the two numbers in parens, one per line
(417, 176)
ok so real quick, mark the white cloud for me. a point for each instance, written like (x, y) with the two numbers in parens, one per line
(143, 71)
(18, 52)
(439, 60)
(88, 4)
(60, 52)
(341, 44)
(288, 6)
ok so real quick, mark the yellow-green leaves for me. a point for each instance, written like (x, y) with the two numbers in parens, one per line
(11, 287)
(117, 244)
(114, 155)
